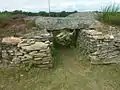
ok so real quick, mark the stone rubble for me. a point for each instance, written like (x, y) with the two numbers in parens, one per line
(65, 38)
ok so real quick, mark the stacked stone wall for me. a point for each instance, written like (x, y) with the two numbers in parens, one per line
(101, 48)
(36, 50)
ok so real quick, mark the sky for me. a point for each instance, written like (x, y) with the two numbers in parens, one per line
(56, 5)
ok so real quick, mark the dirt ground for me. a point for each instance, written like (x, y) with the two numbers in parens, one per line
(69, 73)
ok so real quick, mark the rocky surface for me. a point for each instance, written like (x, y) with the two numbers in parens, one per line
(101, 48)
(35, 50)
(31, 51)
(100, 42)
(94, 38)
(70, 22)
(65, 37)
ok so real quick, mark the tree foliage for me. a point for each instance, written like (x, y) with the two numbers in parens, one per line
(41, 13)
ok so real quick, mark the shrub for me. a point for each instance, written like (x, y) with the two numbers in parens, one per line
(110, 14)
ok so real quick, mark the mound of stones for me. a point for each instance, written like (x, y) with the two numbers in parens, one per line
(35, 50)
(96, 40)
(99, 42)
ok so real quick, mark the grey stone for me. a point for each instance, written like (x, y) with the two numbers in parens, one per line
(33, 52)
(26, 57)
(26, 42)
(39, 55)
(69, 22)
(100, 47)
(19, 54)
(36, 46)
(64, 38)
(38, 59)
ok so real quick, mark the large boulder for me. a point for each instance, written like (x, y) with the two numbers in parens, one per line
(69, 22)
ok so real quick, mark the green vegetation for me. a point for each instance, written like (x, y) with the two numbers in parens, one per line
(110, 14)
(41, 13)
(5, 15)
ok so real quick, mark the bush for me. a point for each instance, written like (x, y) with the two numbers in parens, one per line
(110, 14)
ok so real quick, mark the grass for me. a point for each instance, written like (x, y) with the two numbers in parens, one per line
(5, 16)
(110, 14)
(70, 73)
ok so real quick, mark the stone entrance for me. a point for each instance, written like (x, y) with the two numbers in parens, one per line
(99, 42)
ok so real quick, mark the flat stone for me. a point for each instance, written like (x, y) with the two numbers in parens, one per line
(47, 42)
(92, 32)
(26, 42)
(33, 52)
(39, 55)
(19, 54)
(98, 37)
(22, 51)
(11, 40)
(22, 45)
(36, 46)
(26, 57)
(37, 59)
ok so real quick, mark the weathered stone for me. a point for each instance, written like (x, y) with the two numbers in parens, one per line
(26, 57)
(101, 48)
(33, 53)
(16, 60)
(96, 25)
(38, 59)
(11, 40)
(4, 54)
(47, 42)
(40, 55)
(22, 51)
(36, 46)
(64, 38)
(26, 42)
(92, 32)
(49, 23)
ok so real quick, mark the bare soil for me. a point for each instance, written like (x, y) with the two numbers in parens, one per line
(69, 73)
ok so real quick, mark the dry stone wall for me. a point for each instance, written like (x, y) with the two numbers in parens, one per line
(35, 50)
(98, 41)
(101, 48)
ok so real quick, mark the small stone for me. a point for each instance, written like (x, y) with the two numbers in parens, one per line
(98, 37)
(42, 50)
(16, 59)
(40, 55)
(22, 45)
(47, 42)
(26, 57)
(19, 54)
(92, 32)
(47, 59)
(109, 36)
(37, 59)
(33, 52)
(22, 51)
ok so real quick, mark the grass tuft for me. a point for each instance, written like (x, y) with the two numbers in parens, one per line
(110, 14)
